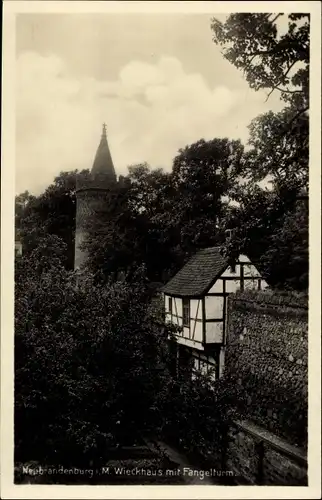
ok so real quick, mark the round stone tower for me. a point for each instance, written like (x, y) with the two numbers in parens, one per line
(90, 194)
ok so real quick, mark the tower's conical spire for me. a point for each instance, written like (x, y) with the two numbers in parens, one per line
(103, 163)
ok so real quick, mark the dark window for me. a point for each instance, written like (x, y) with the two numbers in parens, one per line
(186, 312)
(170, 305)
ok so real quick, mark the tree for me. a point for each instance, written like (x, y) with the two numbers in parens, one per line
(279, 142)
(203, 173)
(116, 232)
(269, 60)
(278, 63)
(277, 152)
(83, 354)
(127, 232)
(53, 212)
(21, 201)
(271, 227)
(157, 219)
(287, 256)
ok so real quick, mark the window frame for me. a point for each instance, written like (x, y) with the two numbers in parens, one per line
(186, 312)
(170, 305)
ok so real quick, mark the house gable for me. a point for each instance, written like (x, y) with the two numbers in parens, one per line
(199, 306)
(202, 317)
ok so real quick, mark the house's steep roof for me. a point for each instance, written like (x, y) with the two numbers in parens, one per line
(197, 276)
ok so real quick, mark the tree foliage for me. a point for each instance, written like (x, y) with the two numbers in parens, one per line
(158, 219)
(272, 50)
(271, 227)
(124, 233)
(90, 361)
(269, 58)
(279, 149)
(203, 173)
(52, 212)
(287, 253)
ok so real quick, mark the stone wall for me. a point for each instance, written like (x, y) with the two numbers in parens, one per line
(266, 360)
(266, 356)
(258, 457)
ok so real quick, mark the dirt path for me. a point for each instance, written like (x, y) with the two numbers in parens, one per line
(190, 473)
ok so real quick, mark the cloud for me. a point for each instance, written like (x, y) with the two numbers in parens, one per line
(151, 111)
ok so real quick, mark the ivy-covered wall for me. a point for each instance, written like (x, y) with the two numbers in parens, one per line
(266, 360)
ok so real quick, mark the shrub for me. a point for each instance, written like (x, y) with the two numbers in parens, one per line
(90, 361)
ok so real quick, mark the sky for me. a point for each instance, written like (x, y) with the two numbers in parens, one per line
(157, 80)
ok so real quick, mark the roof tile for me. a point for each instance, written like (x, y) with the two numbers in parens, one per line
(198, 274)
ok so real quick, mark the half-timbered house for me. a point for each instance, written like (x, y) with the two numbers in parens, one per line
(195, 299)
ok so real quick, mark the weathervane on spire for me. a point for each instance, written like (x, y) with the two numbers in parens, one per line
(104, 129)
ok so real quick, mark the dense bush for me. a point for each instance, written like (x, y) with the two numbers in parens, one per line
(90, 361)
(196, 417)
